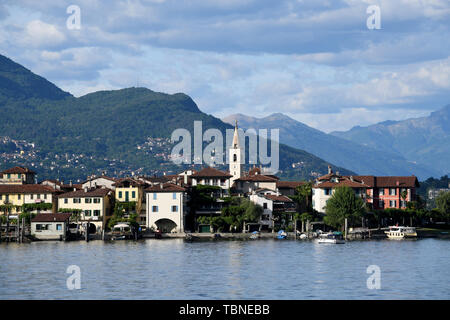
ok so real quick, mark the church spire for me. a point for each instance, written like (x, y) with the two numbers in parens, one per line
(236, 137)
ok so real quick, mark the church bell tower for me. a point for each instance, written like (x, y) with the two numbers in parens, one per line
(235, 157)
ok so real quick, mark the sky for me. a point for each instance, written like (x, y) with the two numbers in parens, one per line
(316, 61)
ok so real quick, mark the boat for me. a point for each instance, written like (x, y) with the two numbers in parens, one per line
(254, 235)
(400, 232)
(121, 231)
(282, 234)
(331, 237)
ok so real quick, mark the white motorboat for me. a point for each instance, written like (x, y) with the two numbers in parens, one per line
(400, 232)
(331, 237)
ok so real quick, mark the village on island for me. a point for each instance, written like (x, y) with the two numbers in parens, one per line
(206, 203)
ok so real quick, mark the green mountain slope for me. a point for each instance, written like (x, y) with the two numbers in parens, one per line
(18, 82)
(120, 131)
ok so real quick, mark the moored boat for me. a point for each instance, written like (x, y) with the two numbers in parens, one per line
(121, 231)
(331, 237)
(400, 232)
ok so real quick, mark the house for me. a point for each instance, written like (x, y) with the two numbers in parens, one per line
(381, 192)
(95, 205)
(254, 180)
(31, 197)
(59, 185)
(99, 181)
(288, 188)
(323, 190)
(17, 175)
(50, 226)
(390, 191)
(212, 177)
(272, 203)
(166, 207)
(132, 190)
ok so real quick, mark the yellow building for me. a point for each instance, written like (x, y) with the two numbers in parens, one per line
(13, 197)
(17, 175)
(131, 190)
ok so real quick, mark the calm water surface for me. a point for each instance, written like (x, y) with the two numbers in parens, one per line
(264, 269)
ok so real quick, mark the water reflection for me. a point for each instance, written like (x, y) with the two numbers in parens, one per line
(263, 269)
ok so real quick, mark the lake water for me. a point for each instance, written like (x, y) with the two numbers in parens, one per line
(262, 269)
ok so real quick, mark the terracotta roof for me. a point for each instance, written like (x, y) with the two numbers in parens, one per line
(409, 181)
(257, 178)
(155, 179)
(51, 217)
(254, 170)
(166, 187)
(133, 182)
(328, 176)
(18, 170)
(211, 172)
(289, 184)
(388, 181)
(98, 192)
(274, 197)
(342, 183)
(26, 188)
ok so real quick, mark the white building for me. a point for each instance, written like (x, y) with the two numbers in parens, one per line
(212, 177)
(100, 181)
(271, 202)
(95, 205)
(50, 226)
(166, 207)
(324, 188)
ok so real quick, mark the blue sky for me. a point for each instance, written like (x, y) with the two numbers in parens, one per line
(313, 60)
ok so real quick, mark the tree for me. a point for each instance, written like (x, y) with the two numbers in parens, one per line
(344, 203)
(302, 197)
(443, 203)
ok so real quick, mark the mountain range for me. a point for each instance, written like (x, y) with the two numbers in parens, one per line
(378, 157)
(119, 132)
(424, 141)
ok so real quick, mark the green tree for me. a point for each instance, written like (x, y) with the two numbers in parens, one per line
(443, 203)
(344, 203)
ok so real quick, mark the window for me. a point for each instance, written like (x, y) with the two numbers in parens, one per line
(381, 203)
(38, 196)
(234, 157)
(87, 213)
(87, 200)
(18, 197)
(96, 200)
(154, 208)
(76, 200)
(265, 205)
(381, 192)
(45, 196)
(96, 213)
(174, 196)
(392, 203)
(327, 191)
(41, 226)
(402, 203)
(31, 196)
(1, 196)
(154, 196)
(120, 194)
(133, 194)
(174, 208)
(66, 200)
(392, 191)
(58, 227)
